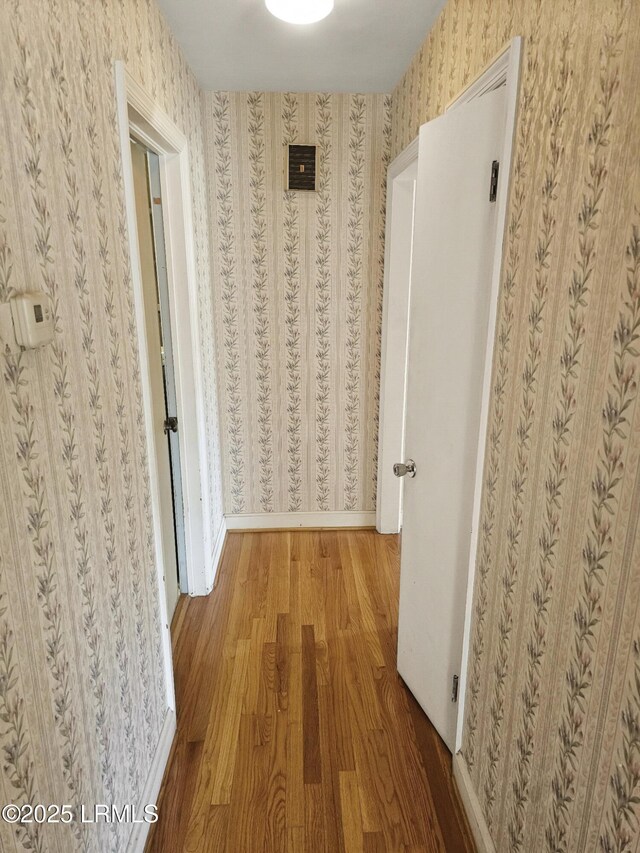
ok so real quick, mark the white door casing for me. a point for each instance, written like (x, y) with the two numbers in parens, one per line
(453, 259)
(138, 113)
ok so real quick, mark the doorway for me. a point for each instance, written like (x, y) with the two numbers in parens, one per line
(140, 116)
(153, 267)
(401, 191)
(456, 253)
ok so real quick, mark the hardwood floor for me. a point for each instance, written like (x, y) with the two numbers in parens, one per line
(295, 733)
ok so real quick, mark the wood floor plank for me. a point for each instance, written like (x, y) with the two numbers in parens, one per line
(248, 808)
(310, 598)
(216, 835)
(201, 801)
(295, 839)
(310, 712)
(323, 668)
(359, 678)
(175, 805)
(223, 777)
(278, 583)
(332, 758)
(351, 816)
(314, 820)
(338, 618)
(336, 725)
(209, 672)
(283, 645)
(380, 799)
(436, 761)
(408, 773)
(198, 667)
(295, 732)
(275, 828)
(264, 719)
(295, 604)
(373, 842)
(295, 776)
(361, 571)
(178, 619)
(258, 631)
(295, 683)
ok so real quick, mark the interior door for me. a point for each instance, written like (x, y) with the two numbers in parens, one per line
(454, 242)
(168, 367)
(155, 348)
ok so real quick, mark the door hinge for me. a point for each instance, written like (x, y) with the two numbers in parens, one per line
(493, 185)
(454, 689)
(170, 425)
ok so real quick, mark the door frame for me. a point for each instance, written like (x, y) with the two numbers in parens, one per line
(395, 335)
(139, 115)
(502, 70)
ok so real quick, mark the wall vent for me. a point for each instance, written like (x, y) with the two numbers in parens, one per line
(301, 167)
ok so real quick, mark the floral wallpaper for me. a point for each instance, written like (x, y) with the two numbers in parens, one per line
(82, 693)
(290, 307)
(552, 726)
(298, 281)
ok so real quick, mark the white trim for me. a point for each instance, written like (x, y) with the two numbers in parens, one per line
(405, 158)
(137, 111)
(273, 520)
(149, 796)
(217, 550)
(492, 76)
(122, 83)
(401, 183)
(472, 806)
(511, 56)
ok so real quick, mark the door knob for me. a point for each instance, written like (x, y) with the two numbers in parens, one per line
(400, 469)
(170, 425)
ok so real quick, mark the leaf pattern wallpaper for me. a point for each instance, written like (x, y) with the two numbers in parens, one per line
(290, 305)
(82, 693)
(297, 278)
(552, 725)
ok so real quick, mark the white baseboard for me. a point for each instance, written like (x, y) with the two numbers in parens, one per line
(217, 550)
(271, 520)
(140, 831)
(472, 805)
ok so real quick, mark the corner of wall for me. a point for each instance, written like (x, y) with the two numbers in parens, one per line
(471, 804)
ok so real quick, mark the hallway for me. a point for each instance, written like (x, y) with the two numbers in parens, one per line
(294, 730)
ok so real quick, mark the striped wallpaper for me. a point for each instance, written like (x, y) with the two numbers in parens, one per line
(552, 727)
(297, 282)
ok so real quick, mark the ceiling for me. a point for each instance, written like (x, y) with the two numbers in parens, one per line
(362, 46)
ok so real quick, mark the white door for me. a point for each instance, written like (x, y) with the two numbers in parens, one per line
(168, 369)
(454, 243)
(155, 345)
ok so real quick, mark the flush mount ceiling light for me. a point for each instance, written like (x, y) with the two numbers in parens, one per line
(300, 11)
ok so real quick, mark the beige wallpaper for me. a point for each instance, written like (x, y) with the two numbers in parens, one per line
(552, 734)
(552, 729)
(82, 695)
(298, 284)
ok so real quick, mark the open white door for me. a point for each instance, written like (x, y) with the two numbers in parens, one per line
(151, 270)
(454, 244)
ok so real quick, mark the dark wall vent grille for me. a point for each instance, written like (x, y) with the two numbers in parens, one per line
(301, 168)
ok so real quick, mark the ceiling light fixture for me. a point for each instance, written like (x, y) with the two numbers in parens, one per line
(300, 11)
